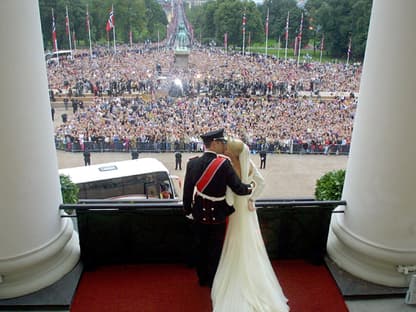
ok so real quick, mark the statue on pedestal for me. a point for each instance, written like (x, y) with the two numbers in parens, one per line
(182, 39)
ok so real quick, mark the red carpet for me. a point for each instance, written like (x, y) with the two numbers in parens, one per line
(174, 288)
(309, 288)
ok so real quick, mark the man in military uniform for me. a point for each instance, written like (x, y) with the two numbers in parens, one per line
(204, 202)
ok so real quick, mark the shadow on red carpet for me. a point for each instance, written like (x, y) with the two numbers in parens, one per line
(174, 288)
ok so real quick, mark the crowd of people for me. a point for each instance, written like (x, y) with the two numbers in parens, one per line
(254, 97)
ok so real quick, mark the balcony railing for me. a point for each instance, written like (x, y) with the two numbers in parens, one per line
(157, 231)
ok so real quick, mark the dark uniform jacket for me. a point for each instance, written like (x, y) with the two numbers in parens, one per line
(202, 209)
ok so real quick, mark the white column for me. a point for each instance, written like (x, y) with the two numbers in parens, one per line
(37, 247)
(377, 233)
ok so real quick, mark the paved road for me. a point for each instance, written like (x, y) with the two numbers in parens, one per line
(286, 176)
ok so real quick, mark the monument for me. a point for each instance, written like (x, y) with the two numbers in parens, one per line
(182, 47)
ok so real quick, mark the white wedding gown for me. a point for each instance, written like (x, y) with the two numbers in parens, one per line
(245, 280)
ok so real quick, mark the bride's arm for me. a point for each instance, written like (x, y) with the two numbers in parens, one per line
(258, 185)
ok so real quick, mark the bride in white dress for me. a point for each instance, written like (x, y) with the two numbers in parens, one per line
(245, 280)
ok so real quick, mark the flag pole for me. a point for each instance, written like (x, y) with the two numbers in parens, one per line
(267, 29)
(68, 28)
(322, 47)
(89, 31)
(349, 51)
(287, 33)
(244, 32)
(226, 42)
(278, 49)
(54, 41)
(108, 41)
(114, 30)
(158, 39)
(300, 37)
(295, 47)
(74, 39)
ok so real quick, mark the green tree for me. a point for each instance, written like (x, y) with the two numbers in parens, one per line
(337, 19)
(226, 20)
(278, 10)
(156, 20)
(207, 27)
(215, 18)
(255, 22)
(144, 17)
(361, 11)
(340, 20)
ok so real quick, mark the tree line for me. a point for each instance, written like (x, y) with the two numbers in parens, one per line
(337, 21)
(145, 19)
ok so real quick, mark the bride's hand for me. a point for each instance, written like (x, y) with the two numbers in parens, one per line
(251, 205)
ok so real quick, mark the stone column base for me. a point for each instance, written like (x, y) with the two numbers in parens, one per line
(37, 269)
(366, 260)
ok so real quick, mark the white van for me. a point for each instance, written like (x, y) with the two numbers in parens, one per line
(143, 178)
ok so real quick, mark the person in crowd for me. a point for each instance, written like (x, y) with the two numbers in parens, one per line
(222, 86)
(87, 157)
(263, 155)
(205, 184)
(66, 103)
(178, 161)
(245, 279)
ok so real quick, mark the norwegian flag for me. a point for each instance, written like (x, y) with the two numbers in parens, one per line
(54, 41)
(244, 23)
(322, 43)
(67, 23)
(267, 23)
(287, 27)
(300, 27)
(349, 47)
(87, 20)
(110, 22)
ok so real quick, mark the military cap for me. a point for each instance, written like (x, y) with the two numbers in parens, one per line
(215, 135)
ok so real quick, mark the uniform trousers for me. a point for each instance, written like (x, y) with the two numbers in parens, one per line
(209, 241)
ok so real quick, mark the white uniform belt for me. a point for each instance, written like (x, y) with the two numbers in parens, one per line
(211, 198)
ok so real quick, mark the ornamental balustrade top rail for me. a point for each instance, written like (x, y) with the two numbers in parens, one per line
(176, 205)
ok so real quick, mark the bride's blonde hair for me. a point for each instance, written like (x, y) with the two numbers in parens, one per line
(235, 146)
